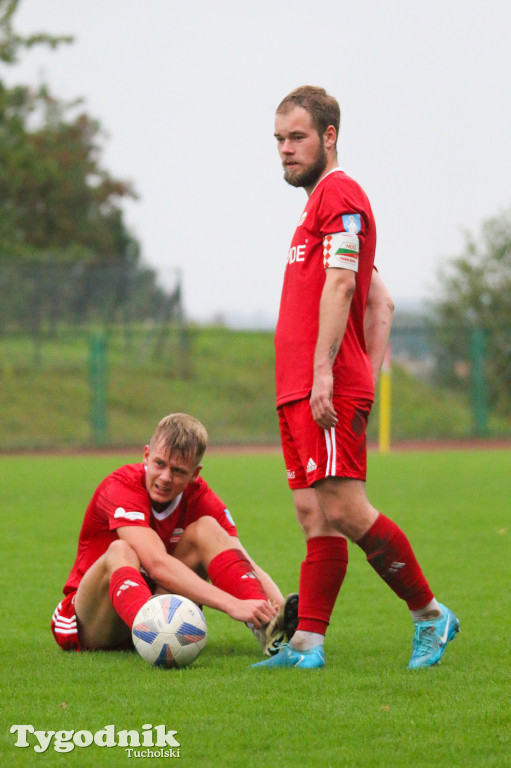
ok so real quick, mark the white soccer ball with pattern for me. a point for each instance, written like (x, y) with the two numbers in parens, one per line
(169, 631)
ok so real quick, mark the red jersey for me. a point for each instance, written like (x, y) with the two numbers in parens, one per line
(122, 499)
(337, 205)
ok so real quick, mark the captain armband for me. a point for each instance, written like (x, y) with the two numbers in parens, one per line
(341, 250)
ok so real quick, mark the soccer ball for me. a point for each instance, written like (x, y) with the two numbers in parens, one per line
(169, 631)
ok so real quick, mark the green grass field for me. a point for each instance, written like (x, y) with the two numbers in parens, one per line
(364, 709)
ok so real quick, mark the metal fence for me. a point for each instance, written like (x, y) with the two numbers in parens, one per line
(459, 377)
(92, 357)
(108, 386)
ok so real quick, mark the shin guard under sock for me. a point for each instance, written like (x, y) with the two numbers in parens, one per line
(128, 593)
(321, 576)
(389, 552)
(234, 574)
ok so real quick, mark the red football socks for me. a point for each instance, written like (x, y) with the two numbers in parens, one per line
(389, 552)
(128, 593)
(232, 572)
(321, 576)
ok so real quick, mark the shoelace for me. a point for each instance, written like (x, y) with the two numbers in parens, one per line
(423, 640)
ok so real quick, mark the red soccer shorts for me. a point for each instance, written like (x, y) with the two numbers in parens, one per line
(64, 626)
(312, 453)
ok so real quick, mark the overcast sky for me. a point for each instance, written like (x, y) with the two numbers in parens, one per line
(187, 91)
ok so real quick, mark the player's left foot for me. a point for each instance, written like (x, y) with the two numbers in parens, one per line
(431, 638)
(282, 627)
(289, 657)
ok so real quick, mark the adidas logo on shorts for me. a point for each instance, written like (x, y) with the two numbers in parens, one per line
(311, 465)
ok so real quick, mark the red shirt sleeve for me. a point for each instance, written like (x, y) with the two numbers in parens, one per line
(124, 502)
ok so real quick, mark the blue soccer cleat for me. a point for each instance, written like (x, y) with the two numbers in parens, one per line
(289, 657)
(431, 638)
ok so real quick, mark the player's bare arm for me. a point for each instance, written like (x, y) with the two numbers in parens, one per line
(333, 316)
(176, 577)
(377, 322)
(204, 539)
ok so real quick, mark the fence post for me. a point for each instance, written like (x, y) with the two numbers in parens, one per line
(478, 381)
(97, 380)
(385, 402)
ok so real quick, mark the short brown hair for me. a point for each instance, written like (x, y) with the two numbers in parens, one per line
(182, 434)
(322, 107)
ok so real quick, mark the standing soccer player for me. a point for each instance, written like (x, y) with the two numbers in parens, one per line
(332, 331)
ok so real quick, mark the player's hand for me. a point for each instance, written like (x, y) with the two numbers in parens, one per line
(321, 404)
(258, 612)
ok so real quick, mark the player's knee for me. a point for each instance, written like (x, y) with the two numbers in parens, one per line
(120, 554)
(203, 529)
(346, 506)
(310, 520)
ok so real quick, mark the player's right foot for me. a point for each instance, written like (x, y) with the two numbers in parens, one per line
(431, 638)
(282, 627)
(289, 657)
(290, 614)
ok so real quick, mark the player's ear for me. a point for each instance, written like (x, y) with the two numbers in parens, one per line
(147, 450)
(196, 472)
(330, 137)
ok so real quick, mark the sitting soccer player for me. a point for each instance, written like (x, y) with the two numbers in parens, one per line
(156, 526)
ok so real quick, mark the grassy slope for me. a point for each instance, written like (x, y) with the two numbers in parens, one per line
(364, 709)
(225, 378)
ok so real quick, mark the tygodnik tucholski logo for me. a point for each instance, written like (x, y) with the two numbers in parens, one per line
(150, 741)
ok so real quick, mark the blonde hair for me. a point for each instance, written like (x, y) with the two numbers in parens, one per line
(323, 108)
(181, 433)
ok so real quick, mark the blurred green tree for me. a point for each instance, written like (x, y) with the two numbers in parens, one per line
(474, 293)
(11, 43)
(66, 250)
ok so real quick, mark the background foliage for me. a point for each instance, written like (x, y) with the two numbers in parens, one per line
(65, 247)
(71, 273)
(475, 292)
(51, 385)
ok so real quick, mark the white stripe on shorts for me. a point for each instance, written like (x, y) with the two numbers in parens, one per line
(58, 631)
(331, 450)
(63, 619)
(64, 625)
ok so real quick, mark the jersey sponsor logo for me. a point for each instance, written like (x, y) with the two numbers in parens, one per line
(176, 535)
(352, 223)
(296, 253)
(341, 250)
(121, 512)
(291, 474)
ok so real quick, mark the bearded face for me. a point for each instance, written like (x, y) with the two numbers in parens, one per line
(306, 175)
(301, 148)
